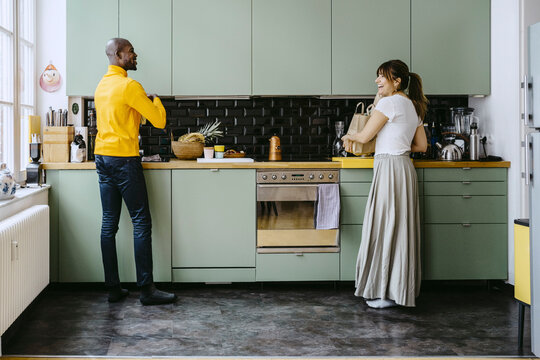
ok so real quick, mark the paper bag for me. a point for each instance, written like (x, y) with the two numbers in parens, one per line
(358, 122)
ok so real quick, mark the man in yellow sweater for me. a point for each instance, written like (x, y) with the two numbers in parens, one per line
(120, 101)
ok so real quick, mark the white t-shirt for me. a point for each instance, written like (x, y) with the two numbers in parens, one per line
(395, 137)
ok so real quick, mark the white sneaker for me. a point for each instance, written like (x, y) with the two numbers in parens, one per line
(381, 303)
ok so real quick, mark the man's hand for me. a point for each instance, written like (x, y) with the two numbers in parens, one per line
(151, 96)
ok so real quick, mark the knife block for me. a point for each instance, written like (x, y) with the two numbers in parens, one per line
(56, 143)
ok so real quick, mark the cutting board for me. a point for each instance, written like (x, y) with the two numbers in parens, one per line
(229, 160)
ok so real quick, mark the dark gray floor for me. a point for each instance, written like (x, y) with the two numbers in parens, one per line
(275, 320)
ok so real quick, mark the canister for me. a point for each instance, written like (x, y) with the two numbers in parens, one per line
(219, 151)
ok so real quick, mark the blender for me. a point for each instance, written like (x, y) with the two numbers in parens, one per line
(462, 118)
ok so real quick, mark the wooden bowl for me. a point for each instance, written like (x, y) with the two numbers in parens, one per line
(234, 155)
(188, 150)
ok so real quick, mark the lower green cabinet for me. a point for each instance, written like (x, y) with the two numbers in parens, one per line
(351, 237)
(474, 251)
(298, 267)
(213, 221)
(79, 226)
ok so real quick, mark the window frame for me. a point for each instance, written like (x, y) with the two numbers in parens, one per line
(15, 151)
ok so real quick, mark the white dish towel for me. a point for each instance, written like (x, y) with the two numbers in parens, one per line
(327, 216)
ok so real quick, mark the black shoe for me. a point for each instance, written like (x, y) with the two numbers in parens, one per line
(116, 293)
(152, 296)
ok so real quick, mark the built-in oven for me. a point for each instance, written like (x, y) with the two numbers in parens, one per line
(287, 211)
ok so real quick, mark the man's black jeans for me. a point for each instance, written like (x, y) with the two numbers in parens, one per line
(123, 178)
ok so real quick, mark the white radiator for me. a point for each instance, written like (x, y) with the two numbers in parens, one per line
(24, 261)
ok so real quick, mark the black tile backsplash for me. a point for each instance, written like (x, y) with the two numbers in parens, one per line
(305, 125)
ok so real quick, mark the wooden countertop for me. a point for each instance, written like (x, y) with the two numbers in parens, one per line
(337, 163)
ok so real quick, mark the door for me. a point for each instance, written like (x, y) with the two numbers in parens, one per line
(292, 47)
(150, 35)
(217, 60)
(90, 24)
(357, 51)
(213, 218)
(450, 46)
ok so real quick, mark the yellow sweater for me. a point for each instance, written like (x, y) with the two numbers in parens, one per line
(120, 101)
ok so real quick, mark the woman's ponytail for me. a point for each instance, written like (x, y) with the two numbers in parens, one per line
(416, 95)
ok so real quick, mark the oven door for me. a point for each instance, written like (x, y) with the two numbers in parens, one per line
(286, 217)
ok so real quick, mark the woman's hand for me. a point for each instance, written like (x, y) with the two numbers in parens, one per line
(347, 142)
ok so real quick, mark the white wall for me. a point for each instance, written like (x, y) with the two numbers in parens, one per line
(499, 112)
(51, 47)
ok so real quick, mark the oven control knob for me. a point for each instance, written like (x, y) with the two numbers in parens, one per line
(264, 177)
(283, 177)
(274, 177)
(321, 176)
(330, 176)
(311, 177)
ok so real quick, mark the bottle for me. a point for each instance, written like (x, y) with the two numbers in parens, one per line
(337, 146)
(474, 143)
(435, 138)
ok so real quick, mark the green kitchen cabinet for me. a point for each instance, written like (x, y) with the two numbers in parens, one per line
(298, 267)
(90, 24)
(450, 46)
(360, 43)
(147, 25)
(158, 184)
(354, 189)
(79, 226)
(465, 222)
(472, 252)
(211, 47)
(351, 237)
(292, 47)
(214, 220)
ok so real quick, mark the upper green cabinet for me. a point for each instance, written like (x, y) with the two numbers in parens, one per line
(366, 33)
(451, 45)
(211, 47)
(89, 25)
(291, 47)
(147, 24)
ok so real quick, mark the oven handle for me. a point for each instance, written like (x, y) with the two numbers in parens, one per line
(287, 192)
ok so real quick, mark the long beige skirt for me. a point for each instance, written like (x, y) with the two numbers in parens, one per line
(388, 264)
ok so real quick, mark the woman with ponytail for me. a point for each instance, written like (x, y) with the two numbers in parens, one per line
(388, 264)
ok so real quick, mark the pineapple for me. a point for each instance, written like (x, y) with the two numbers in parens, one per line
(206, 134)
(211, 132)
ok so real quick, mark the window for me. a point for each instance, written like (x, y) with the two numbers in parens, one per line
(17, 80)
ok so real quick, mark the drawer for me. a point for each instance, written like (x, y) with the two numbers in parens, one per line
(297, 267)
(465, 188)
(351, 237)
(455, 252)
(355, 189)
(352, 209)
(213, 275)
(356, 175)
(465, 209)
(465, 174)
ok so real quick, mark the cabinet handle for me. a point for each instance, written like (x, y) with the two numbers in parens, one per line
(14, 250)
(466, 225)
(214, 170)
(467, 196)
(466, 182)
(299, 254)
(466, 168)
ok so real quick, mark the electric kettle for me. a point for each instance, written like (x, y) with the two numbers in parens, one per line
(275, 149)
